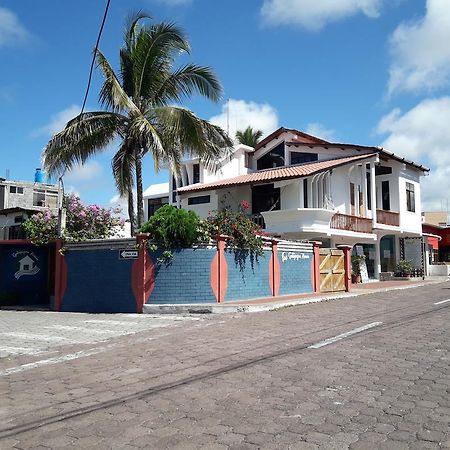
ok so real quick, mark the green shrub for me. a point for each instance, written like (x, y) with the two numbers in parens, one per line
(404, 267)
(171, 228)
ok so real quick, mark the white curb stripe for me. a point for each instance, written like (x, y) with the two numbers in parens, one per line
(443, 301)
(45, 362)
(344, 335)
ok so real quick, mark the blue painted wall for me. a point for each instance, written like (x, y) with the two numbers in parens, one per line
(247, 277)
(24, 275)
(185, 279)
(295, 273)
(98, 282)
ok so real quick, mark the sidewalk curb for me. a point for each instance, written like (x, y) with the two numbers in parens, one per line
(213, 308)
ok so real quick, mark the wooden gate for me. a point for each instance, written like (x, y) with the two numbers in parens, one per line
(332, 270)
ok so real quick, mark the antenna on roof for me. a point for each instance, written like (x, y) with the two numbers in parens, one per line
(7, 174)
(228, 116)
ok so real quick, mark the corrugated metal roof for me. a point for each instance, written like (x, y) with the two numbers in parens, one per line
(278, 174)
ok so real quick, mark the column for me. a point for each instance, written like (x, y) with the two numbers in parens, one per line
(347, 265)
(377, 258)
(364, 188)
(373, 196)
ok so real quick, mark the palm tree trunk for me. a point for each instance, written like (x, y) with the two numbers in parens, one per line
(131, 212)
(139, 188)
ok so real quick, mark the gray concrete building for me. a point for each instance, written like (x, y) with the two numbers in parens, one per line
(21, 199)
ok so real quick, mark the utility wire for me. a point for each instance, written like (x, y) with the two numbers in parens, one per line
(94, 55)
(91, 70)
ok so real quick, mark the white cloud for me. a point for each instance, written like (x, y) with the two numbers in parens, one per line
(318, 130)
(12, 30)
(420, 51)
(260, 116)
(315, 14)
(423, 135)
(58, 121)
(89, 171)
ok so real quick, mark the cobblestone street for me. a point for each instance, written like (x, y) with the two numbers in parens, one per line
(369, 372)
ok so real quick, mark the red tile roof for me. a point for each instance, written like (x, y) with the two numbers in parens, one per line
(278, 174)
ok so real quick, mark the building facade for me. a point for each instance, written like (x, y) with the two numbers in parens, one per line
(303, 187)
(21, 199)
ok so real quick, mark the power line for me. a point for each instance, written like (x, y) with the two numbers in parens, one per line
(94, 55)
(91, 70)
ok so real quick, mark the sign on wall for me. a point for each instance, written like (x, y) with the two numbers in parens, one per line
(291, 256)
(128, 254)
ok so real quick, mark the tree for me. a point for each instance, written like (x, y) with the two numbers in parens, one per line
(249, 136)
(82, 223)
(139, 111)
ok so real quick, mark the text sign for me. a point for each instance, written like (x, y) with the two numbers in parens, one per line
(288, 256)
(128, 254)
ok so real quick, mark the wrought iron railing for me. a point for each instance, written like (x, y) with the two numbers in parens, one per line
(351, 223)
(388, 217)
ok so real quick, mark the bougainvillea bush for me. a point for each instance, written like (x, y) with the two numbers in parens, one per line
(82, 223)
(243, 232)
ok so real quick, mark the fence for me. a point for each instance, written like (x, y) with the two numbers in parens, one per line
(122, 275)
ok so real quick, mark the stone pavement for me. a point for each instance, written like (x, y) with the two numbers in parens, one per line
(257, 381)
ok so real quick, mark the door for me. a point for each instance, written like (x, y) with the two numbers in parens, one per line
(332, 270)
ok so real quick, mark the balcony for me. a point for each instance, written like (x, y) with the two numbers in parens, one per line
(388, 217)
(313, 220)
(351, 223)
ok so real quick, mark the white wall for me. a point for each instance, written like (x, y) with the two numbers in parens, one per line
(204, 208)
(411, 221)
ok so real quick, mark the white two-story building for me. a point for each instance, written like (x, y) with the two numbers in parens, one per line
(303, 187)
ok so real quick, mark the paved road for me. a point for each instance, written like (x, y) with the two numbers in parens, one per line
(371, 372)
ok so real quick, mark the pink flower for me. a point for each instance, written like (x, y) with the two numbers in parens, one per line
(245, 204)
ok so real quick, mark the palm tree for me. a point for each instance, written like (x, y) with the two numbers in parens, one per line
(139, 111)
(249, 136)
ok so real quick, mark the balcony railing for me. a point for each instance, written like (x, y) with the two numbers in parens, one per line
(388, 217)
(351, 223)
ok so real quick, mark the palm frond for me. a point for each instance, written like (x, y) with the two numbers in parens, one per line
(153, 55)
(249, 136)
(186, 81)
(147, 137)
(123, 167)
(184, 132)
(81, 138)
(112, 95)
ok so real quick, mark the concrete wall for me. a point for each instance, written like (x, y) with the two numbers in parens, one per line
(184, 279)
(98, 282)
(248, 277)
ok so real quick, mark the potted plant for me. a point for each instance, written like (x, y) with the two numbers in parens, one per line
(356, 268)
(404, 268)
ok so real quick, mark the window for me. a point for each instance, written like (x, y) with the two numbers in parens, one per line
(265, 197)
(199, 200)
(352, 199)
(15, 190)
(18, 219)
(305, 193)
(196, 173)
(153, 204)
(385, 196)
(301, 157)
(274, 158)
(38, 197)
(383, 170)
(410, 198)
(369, 192)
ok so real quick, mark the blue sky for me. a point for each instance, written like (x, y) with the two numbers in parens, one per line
(373, 72)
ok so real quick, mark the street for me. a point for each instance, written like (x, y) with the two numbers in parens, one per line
(367, 372)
